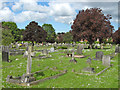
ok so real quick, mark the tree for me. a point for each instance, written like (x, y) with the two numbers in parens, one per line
(50, 32)
(7, 37)
(34, 32)
(116, 36)
(13, 29)
(91, 24)
(60, 37)
(67, 37)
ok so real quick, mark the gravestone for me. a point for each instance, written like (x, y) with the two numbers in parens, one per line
(99, 55)
(52, 49)
(89, 69)
(26, 52)
(106, 60)
(117, 49)
(5, 53)
(45, 52)
(79, 49)
(89, 60)
(73, 59)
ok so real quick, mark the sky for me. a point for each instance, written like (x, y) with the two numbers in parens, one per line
(60, 14)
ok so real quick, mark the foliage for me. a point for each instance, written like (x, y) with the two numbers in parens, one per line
(50, 32)
(91, 24)
(61, 47)
(97, 42)
(17, 33)
(34, 32)
(7, 37)
(67, 37)
(60, 37)
(116, 36)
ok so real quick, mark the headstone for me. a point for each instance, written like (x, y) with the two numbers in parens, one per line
(89, 60)
(25, 53)
(52, 49)
(117, 49)
(45, 52)
(99, 55)
(89, 69)
(106, 60)
(79, 49)
(73, 59)
(29, 61)
(5, 53)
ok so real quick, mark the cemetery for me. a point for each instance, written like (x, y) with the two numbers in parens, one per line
(58, 67)
(38, 56)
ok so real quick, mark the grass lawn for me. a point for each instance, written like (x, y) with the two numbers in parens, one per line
(108, 79)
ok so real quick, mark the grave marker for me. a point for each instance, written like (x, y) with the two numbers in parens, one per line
(79, 49)
(106, 60)
(99, 55)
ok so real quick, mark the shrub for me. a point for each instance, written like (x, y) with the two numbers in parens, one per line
(62, 47)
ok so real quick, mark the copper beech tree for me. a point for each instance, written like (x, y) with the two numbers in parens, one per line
(91, 24)
(35, 33)
(116, 36)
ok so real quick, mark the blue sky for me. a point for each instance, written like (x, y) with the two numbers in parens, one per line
(59, 14)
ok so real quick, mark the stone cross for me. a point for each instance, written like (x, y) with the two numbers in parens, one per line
(29, 60)
(72, 54)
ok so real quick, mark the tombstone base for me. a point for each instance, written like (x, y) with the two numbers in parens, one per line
(73, 60)
(89, 69)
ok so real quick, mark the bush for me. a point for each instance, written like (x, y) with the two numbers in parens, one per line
(62, 47)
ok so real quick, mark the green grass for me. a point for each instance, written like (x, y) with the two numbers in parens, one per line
(108, 79)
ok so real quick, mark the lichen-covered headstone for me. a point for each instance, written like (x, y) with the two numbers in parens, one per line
(99, 55)
(106, 60)
(79, 49)
(117, 49)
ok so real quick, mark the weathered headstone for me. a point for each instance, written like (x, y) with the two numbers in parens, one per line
(79, 49)
(88, 69)
(99, 55)
(73, 59)
(52, 49)
(25, 53)
(5, 53)
(45, 52)
(117, 49)
(29, 61)
(89, 60)
(106, 60)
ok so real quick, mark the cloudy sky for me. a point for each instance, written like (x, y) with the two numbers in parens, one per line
(58, 13)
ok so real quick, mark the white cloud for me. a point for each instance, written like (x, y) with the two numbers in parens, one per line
(6, 14)
(17, 6)
(62, 12)
(30, 15)
(61, 9)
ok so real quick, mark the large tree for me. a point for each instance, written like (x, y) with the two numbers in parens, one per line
(116, 36)
(34, 32)
(51, 35)
(67, 37)
(91, 24)
(7, 37)
(12, 27)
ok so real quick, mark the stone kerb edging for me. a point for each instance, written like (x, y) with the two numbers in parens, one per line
(94, 74)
